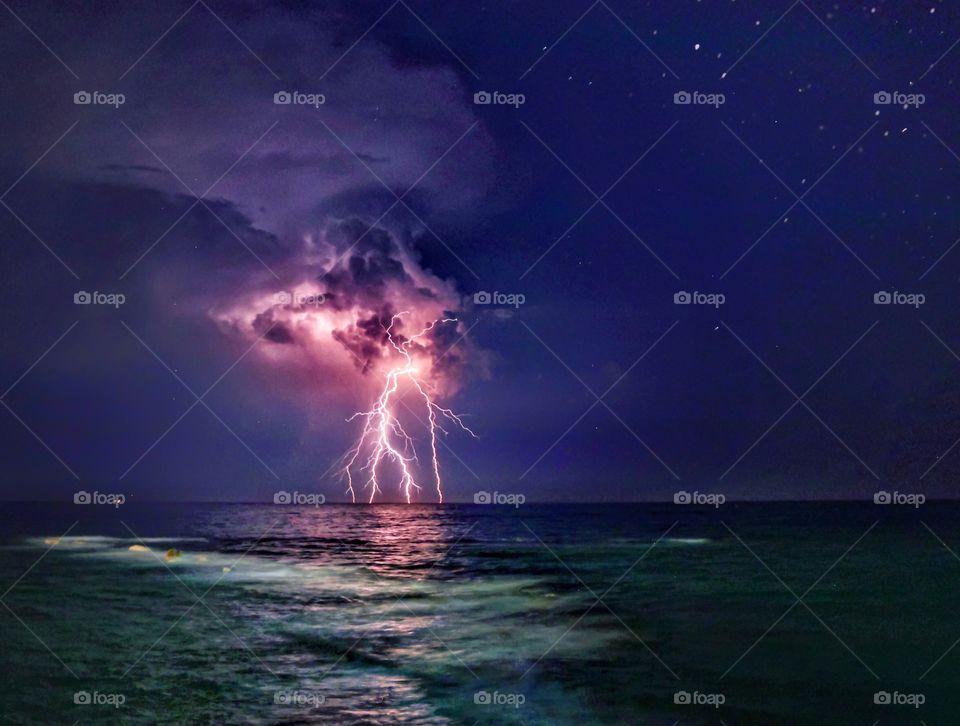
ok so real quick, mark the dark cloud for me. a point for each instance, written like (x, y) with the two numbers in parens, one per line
(278, 333)
(132, 167)
(371, 263)
(367, 339)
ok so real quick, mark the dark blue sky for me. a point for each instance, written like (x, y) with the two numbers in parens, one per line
(693, 198)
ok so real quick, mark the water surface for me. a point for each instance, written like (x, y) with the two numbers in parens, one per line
(464, 614)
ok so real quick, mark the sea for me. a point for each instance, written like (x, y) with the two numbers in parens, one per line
(719, 613)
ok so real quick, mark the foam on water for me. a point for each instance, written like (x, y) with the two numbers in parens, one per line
(687, 540)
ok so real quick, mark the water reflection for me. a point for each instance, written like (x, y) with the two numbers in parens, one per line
(381, 614)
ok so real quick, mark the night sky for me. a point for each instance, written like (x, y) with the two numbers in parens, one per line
(798, 199)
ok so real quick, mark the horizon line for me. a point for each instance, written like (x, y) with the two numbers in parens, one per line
(843, 500)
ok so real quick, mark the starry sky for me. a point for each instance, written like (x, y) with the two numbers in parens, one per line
(787, 194)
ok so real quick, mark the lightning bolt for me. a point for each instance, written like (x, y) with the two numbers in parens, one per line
(383, 437)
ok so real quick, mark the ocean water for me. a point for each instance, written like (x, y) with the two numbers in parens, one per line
(464, 614)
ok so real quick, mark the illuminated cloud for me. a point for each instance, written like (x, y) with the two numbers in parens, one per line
(327, 320)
